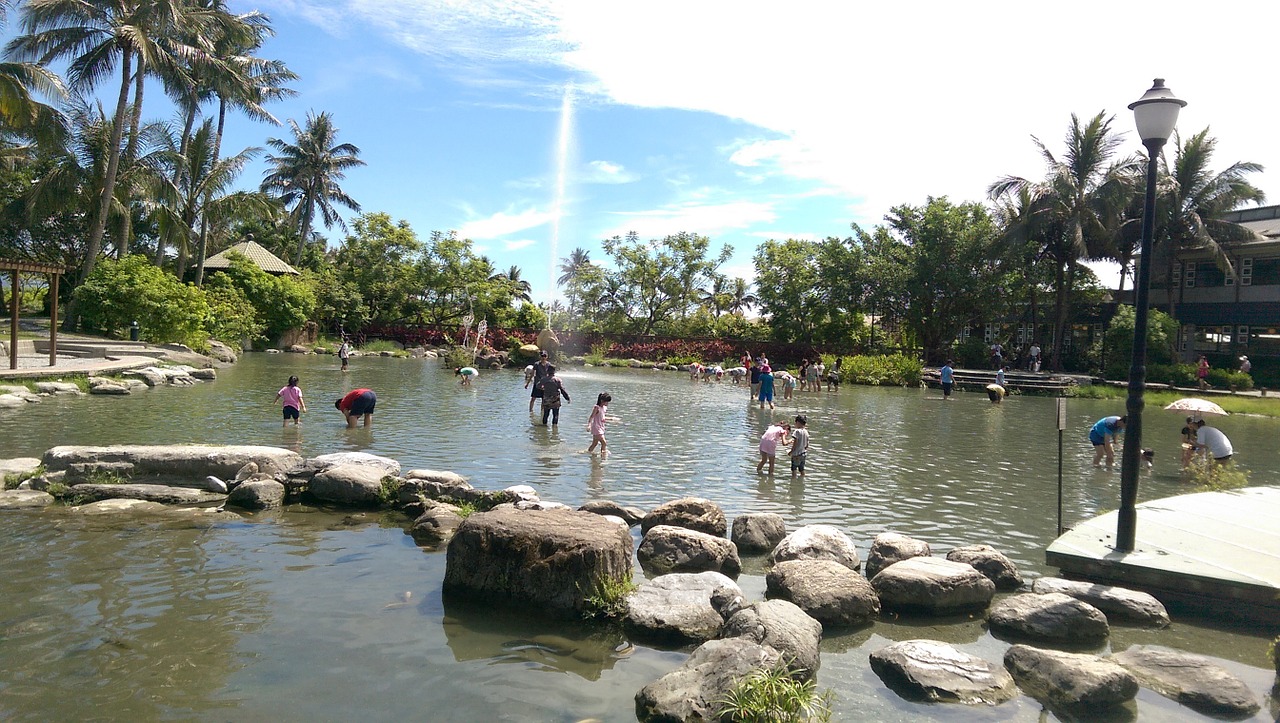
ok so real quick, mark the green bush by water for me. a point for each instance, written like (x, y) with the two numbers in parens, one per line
(773, 696)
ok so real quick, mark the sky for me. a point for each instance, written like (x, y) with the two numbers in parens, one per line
(534, 127)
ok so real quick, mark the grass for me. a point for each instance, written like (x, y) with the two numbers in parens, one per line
(1233, 403)
(609, 600)
(389, 491)
(105, 477)
(466, 509)
(771, 695)
(381, 345)
(1211, 476)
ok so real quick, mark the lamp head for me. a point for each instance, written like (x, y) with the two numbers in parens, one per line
(1156, 113)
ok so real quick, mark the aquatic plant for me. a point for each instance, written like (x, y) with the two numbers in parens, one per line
(466, 509)
(105, 477)
(1213, 476)
(771, 695)
(389, 490)
(609, 600)
(8, 482)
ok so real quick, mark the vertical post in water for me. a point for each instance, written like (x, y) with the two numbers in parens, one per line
(1062, 425)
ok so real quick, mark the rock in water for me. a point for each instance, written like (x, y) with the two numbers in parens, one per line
(213, 484)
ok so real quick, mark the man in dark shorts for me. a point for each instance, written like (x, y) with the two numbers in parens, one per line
(539, 371)
(357, 402)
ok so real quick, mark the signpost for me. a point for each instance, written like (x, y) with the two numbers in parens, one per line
(1062, 425)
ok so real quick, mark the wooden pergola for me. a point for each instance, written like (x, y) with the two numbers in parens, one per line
(55, 272)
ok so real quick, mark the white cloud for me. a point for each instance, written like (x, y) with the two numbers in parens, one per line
(503, 223)
(705, 219)
(517, 245)
(606, 172)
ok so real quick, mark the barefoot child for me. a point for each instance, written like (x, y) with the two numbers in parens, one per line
(467, 374)
(773, 436)
(799, 445)
(595, 423)
(291, 395)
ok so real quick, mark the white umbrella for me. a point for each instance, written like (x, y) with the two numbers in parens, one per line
(1196, 407)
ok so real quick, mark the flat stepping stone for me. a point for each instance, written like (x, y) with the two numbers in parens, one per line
(24, 499)
(990, 562)
(1117, 603)
(18, 466)
(1194, 681)
(665, 549)
(817, 542)
(163, 494)
(677, 608)
(891, 547)
(936, 672)
(1052, 616)
(932, 585)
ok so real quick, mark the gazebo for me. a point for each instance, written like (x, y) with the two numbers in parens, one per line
(261, 258)
(55, 272)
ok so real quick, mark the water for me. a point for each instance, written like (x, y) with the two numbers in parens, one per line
(301, 614)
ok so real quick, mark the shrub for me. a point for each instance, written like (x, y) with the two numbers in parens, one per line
(773, 696)
(972, 353)
(1212, 476)
(456, 357)
(232, 318)
(892, 370)
(282, 303)
(609, 600)
(118, 293)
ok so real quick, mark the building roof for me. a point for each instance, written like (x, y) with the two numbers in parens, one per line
(261, 257)
(1264, 220)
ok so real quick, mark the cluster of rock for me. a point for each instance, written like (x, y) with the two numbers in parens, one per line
(153, 376)
(511, 547)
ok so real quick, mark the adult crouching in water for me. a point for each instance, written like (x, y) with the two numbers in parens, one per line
(552, 390)
(357, 402)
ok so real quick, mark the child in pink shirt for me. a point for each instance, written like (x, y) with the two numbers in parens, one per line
(773, 436)
(595, 423)
(291, 395)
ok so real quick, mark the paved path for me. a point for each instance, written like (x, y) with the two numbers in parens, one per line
(37, 366)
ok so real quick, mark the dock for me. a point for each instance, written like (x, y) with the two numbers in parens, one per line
(1211, 552)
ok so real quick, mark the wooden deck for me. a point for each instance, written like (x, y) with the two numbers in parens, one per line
(1216, 552)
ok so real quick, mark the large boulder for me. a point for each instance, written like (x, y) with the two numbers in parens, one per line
(937, 672)
(676, 609)
(184, 464)
(436, 524)
(932, 585)
(667, 549)
(386, 465)
(631, 515)
(164, 494)
(434, 485)
(758, 532)
(1071, 681)
(1194, 681)
(349, 484)
(1117, 603)
(990, 562)
(257, 494)
(891, 547)
(694, 691)
(694, 513)
(782, 626)
(1052, 616)
(552, 560)
(221, 352)
(57, 388)
(24, 499)
(817, 542)
(827, 591)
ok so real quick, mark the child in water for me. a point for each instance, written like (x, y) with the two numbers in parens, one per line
(291, 395)
(467, 374)
(773, 436)
(595, 424)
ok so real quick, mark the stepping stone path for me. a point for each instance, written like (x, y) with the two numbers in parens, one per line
(990, 562)
(1117, 603)
(827, 591)
(1196, 682)
(817, 542)
(890, 547)
(1071, 681)
(932, 585)
(677, 608)
(667, 549)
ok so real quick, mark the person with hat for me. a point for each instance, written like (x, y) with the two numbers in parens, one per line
(539, 371)
(1245, 364)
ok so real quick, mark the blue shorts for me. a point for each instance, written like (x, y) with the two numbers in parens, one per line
(363, 404)
(1097, 439)
(797, 462)
(290, 412)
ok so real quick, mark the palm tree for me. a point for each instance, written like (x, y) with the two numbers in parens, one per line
(572, 266)
(305, 175)
(1193, 200)
(524, 290)
(20, 112)
(1072, 205)
(741, 298)
(93, 37)
(715, 299)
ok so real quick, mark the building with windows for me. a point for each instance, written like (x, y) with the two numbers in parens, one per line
(1228, 313)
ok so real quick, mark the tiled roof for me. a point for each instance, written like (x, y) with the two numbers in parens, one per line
(263, 258)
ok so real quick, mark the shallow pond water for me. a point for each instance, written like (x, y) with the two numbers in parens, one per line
(334, 615)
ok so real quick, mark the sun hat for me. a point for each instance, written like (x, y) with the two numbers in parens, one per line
(542, 353)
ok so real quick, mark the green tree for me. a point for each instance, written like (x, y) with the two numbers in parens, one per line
(941, 277)
(740, 297)
(118, 293)
(1075, 203)
(788, 289)
(282, 303)
(1192, 200)
(306, 173)
(660, 278)
(378, 261)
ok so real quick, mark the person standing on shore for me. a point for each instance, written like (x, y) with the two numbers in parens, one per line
(1246, 366)
(291, 396)
(1202, 372)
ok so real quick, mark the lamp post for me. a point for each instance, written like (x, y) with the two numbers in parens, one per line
(1156, 113)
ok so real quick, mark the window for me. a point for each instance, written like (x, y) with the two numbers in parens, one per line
(1177, 274)
(1210, 275)
(1246, 272)
(1264, 272)
(1242, 335)
(1189, 279)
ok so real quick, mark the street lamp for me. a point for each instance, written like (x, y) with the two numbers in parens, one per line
(1156, 113)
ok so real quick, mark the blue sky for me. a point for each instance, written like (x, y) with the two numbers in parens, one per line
(739, 120)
